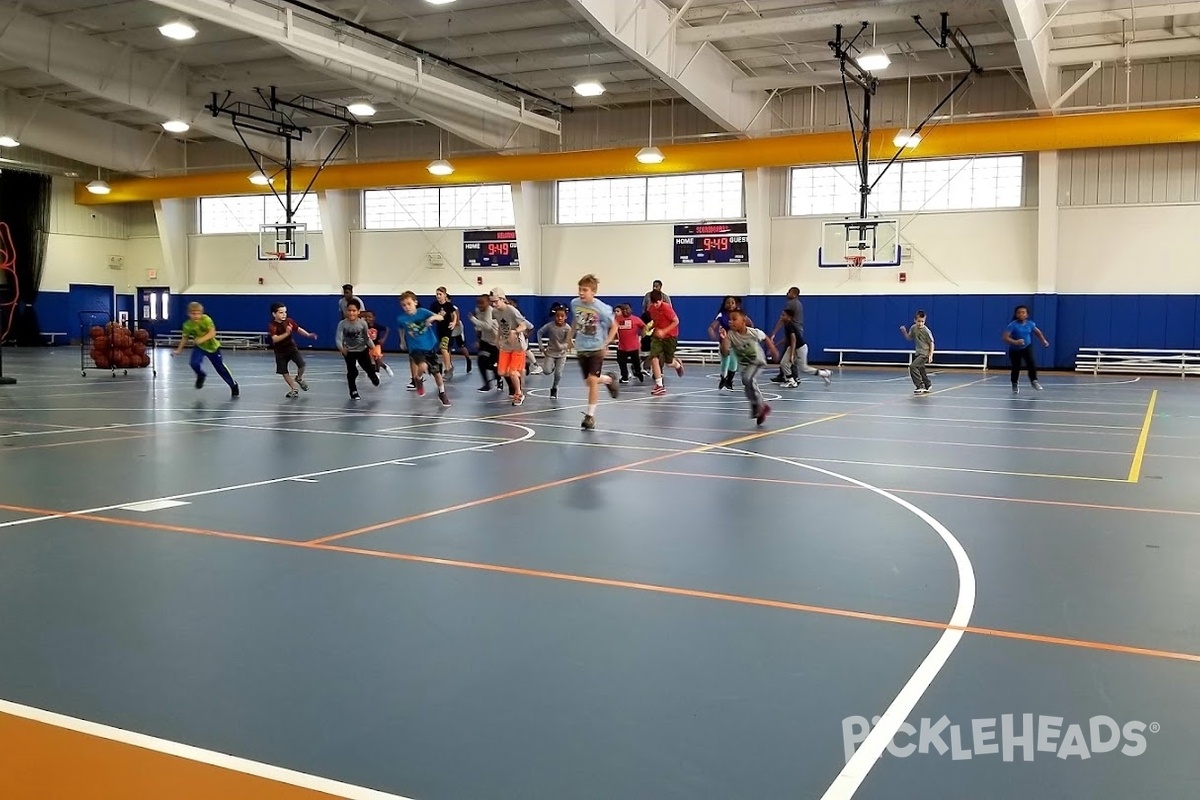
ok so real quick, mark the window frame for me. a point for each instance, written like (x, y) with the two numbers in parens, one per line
(645, 207)
(442, 205)
(265, 216)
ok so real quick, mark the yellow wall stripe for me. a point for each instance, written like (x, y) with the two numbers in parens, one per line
(1065, 132)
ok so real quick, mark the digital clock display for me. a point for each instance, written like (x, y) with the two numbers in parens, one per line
(712, 243)
(490, 249)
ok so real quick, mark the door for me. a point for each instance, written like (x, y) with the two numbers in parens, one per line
(88, 304)
(153, 308)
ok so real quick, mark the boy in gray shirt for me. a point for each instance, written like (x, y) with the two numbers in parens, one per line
(555, 339)
(510, 337)
(922, 339)
(489, 353)
(352, 339)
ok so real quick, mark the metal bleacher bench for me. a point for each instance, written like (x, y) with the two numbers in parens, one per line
(981, 357)
(50, 336)
(234, 340)
(1133, 361)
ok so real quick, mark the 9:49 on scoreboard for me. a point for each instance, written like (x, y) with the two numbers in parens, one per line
(712, 243)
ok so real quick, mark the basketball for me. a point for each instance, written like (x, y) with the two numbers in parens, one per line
(96, 331)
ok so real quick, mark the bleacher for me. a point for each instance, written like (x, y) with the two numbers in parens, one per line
(1135, 361)
(971, 359)
(234, 340)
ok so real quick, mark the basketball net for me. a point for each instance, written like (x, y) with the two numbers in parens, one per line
(855, 265)
(280, 256)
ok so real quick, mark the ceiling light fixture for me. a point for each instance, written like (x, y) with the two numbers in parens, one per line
(259, 178)
(439, 2)
(907, 138)
(650, 155)
(176, 126)
(180, 30)
(99, 187)
(873, 60)
(440, 167)
(8, 141)
(361, 109)
(589, 87)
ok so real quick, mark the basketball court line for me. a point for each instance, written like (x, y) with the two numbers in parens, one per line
(1087, 426)
(931, 493)
(1139, 453)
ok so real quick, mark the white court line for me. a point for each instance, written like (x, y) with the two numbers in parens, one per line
(113, 426)
(190, 753)
(529, 434)
(417, 437)
(869, 752)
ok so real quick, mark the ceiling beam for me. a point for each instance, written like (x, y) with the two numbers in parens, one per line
(698, 72)
(1136, 51)
(805, 20)
(83, 138)
(112, 72)
(475, 114)
(1031, 32)
(939, 62)
(1068, 19)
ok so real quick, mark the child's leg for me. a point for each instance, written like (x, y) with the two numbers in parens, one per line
(786, 362)
(915, 368)
(220, 368)
(368, 366)
(1014, 361)
(750, 385)
(624, 361)
(560, 363)
(1031, 361)
(351, 373)
(301, 366)
(197, 361)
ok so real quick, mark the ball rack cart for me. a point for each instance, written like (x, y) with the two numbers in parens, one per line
(104, 344)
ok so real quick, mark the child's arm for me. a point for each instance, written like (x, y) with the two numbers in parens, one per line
(542, 335)
(1038, 332)
(713, 328)
(212, 334)
(613, 329)
(276, 338)
(670, 330)
(305, 333)
(338, 339)
(904, 331)
(770, 343)
(182, 341)
(932, 345)
(1008, 339)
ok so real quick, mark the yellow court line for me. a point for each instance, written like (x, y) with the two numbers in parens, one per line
(1135, 469)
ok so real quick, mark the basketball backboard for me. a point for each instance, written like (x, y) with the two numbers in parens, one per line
(283, 241)
(877, 240)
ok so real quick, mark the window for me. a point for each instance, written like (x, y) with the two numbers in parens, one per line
(716, 195)
(247, 213)
(911, 186)
(489, 206)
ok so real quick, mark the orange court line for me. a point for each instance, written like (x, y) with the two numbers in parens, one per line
(925, 492)
(39, 760)
(622, 584)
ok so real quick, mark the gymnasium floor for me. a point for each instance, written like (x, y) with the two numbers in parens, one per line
(486, 602)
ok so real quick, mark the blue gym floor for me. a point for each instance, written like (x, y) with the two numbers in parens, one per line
(485, 601)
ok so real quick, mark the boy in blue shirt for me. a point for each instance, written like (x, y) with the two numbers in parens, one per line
(1019, 338)
(421, 335)
(595, 327)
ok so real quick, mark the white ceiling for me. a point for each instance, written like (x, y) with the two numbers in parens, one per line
(102, 65)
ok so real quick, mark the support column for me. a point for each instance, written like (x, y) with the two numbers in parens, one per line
(338, 212)
(758, 228)
(527, 212)
(174, 217)
(1047, 253)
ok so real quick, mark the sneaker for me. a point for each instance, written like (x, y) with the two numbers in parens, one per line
(468, 367)
(641, 377)
(354, 395)
(374, 376)
(761, 416)
(412, 385)
(658, 391)
(518, 399)
(919, 391)
(443, 399)
(234, 392)
(421, 387)
(486, 388)
(678, 368)
(386, 368)
(825, 376)
(789, 384)
(554, 394)
(302, 385)
(612, 387)
(623, 380)
(1016, 389)
(588, 423)
(1037, 386)
(292, 393)
(200, 380)
(777, 379)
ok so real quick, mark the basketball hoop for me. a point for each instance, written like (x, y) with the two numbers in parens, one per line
(280, 256)
(855, 265)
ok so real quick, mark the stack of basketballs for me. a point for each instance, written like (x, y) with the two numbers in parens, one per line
(115, 347)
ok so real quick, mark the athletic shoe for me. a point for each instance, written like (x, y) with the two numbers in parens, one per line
(354, 395)
(387, 368)
(292, 393)
(624, 380)
(487, 387)
(777, 379)
(588, 423)
(421, 387)
(233, 392)
(658, 391)
(554, 394)
(302, 384)
(518, 399)
(612, 385)
(1037, 386)
(1016, 389)
(761, 416)
(825, 376)
(443, 399)
(374, 376)
(678, 368)
(922, 390)
(789, 384)
(412, 385)
(200, 380)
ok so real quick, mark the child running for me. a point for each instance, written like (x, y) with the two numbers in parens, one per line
(554, 338)
(489, 353)
(282, 330)
(595, 327)
(1019, 338)
(747, 343)
(353, 340)
(922, 339)
(795, 354)
(201, 329)
(510, 334)
(717, 330)
(422, 338)
(378, 334)
(629, 354)
(665, 338)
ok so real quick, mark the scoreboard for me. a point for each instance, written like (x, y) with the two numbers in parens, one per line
(712, 243)
(493, 248)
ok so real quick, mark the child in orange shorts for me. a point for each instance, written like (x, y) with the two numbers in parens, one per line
(510, 333)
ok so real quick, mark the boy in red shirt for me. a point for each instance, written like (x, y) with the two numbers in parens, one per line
(629, 347)
(666, 337)
(282, 330)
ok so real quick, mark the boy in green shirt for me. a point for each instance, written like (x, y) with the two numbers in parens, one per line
(200, 328)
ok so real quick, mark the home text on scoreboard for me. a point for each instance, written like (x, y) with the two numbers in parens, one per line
(494, 248)
(712, 243)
